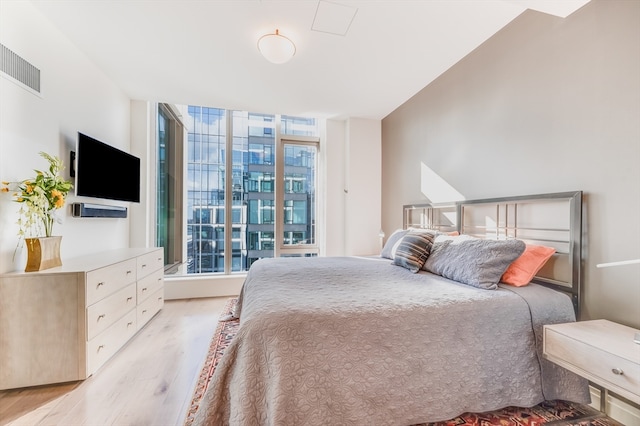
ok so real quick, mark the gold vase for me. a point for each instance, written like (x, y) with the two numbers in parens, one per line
(42, 253)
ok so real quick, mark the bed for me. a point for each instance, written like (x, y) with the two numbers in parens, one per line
(362, 340)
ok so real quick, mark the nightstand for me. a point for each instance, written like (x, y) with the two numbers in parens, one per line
(601, 351)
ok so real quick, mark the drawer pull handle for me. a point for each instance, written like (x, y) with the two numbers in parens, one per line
(144, 311)
(101, 316)
(128, 272)
(100, 284)
(100, 348)
(144, 265)
(129, 298)
(129, 324)
(159, 298)
(160, 279)
(617, 371)
(144, 289)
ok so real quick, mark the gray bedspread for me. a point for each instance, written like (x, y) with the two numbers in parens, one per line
(359, 341)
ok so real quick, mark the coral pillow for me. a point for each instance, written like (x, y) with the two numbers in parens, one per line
(524, 268)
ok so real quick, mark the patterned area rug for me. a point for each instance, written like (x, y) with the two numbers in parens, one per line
(225, 332)
(551, 413)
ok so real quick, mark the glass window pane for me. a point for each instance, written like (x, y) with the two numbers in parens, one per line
(299, 194)
(205, 183)
(300, 126)
(253, 171)
(252, 142)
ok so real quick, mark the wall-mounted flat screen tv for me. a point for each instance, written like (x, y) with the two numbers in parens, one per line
(103, 171)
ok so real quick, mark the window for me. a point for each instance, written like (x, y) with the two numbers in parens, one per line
(206, 206)
(260, 153)
(261, 212)
(269, 207)
(295, 212)
(299, 193)
(298, 126)
(169, 183)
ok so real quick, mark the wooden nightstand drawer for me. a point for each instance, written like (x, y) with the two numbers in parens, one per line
(601, 351)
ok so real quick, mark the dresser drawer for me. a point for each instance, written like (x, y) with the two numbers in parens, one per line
(596, 364)
(105, 281)
(104, 345)
(102, 314)
(149, 263)
(150, 307)
(150, 284)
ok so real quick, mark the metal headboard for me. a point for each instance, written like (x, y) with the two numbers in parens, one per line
(553, 220)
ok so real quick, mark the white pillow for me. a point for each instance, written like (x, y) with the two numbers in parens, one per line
(390, 247)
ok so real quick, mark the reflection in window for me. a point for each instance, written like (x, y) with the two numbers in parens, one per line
(250, 146)
(299, 156)
(205, 189)
(295, 212)
(261, 212)
(299, 193)
(295, 183)
(299, 126)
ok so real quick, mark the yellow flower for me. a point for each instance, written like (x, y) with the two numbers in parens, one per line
(39, 198)
(58, 198)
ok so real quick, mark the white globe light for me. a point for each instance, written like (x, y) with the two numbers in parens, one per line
(276, 48)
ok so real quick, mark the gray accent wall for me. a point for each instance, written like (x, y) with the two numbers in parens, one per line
(545, 105)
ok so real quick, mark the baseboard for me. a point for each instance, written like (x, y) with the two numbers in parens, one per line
(188, 287)
(617, 408)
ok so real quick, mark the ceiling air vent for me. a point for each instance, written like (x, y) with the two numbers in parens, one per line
(19, 70)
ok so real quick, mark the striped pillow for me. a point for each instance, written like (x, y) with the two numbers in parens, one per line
(414, 250)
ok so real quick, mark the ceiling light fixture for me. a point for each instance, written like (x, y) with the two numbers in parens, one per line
(276, 48)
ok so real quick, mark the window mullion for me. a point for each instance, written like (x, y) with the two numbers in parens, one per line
(278, 226)
(228, 194)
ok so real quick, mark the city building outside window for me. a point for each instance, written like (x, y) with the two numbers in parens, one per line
(271, 165)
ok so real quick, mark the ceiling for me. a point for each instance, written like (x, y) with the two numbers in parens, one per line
(353, 58)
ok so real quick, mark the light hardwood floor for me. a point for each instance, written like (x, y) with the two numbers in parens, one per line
(150, 381)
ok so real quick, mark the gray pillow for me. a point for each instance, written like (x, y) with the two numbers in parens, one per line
(388, 251)
(475, 262)
(414, 250)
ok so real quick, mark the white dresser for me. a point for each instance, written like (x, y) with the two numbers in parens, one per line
(62, 324)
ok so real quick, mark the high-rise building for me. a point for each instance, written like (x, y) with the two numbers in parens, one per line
(252, 159)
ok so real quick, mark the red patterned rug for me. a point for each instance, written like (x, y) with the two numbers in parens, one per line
(551, 413)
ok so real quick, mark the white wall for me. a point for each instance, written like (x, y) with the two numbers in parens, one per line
(545, 105)
(76, 96)
(333, 152)
(363, 177)
(353, 175)
(143, 145)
